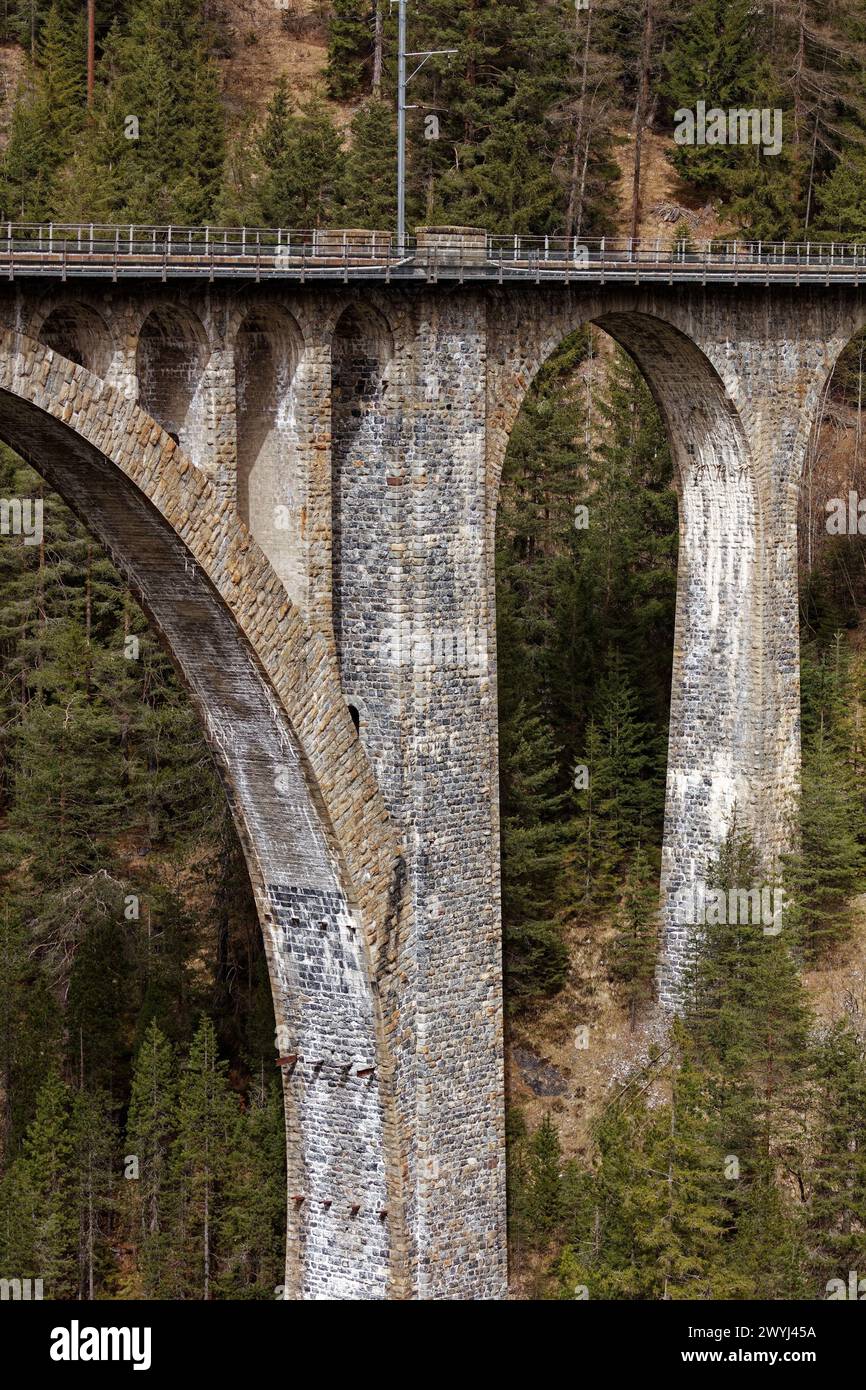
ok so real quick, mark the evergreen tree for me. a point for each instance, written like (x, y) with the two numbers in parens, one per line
(44, 1188)
(150, 1130)
(254, 1220)
(48, 114)
(532, 834)
(842, 201)
(829, 866)
(350, 34)
(635, 946)
(94, 1139)
(370, 184)
(164, 165)
(837, 1205)
(620, 803)
(686, 1214)
(302, 164)
(545, 1181)
(207, 1136)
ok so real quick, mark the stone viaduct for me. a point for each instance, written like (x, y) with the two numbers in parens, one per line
(299, 481)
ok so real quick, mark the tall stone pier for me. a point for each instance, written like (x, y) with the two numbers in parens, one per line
(300, 483)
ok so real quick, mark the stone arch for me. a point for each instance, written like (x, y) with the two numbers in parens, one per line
(271, 495)
(77, 331)
(364, 502)
(832, 507)
(717, 756)
(170, 362)
(236, 640)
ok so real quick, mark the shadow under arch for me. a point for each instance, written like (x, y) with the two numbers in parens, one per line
(831, 488)
(271, 497)
(716, 758)
(323, 1001)
(77, 331)
(170, 362)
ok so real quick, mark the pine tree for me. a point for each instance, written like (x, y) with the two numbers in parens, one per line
(842, 200)
(165, 166)
(370, 185)
(496, 99)
(253, 1226)
(302, 160)
(94, 1140)
(150, 1130)
(829, 866)
(837, 1203)
(679, 1232)
(532, 835)
(44, 1186)
(635, 947)
(544, 1194)
(350, 47)
(207, 1135)
(48, 113)
(619, 806)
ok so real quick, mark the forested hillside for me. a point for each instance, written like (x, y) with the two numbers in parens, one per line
(135, 1017)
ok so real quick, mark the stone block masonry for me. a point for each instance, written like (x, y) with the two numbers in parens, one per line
(300, 484)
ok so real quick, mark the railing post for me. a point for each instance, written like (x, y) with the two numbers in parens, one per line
(91, 238)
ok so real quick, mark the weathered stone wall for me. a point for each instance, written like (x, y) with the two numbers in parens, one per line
(378, 420)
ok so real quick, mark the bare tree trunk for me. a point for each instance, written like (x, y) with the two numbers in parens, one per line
(574, 214)
(377, 50)
(90, 1226)
(91, 49)
(580, 201)
(640, 111)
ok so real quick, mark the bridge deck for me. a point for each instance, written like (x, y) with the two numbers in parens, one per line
(186, 253)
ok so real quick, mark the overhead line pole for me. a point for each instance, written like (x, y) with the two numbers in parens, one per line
(402, 83)
(401, 127)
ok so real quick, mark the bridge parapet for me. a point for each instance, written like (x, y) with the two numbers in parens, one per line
(88, 251)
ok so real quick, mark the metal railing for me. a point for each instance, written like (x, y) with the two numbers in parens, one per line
(90, 249)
